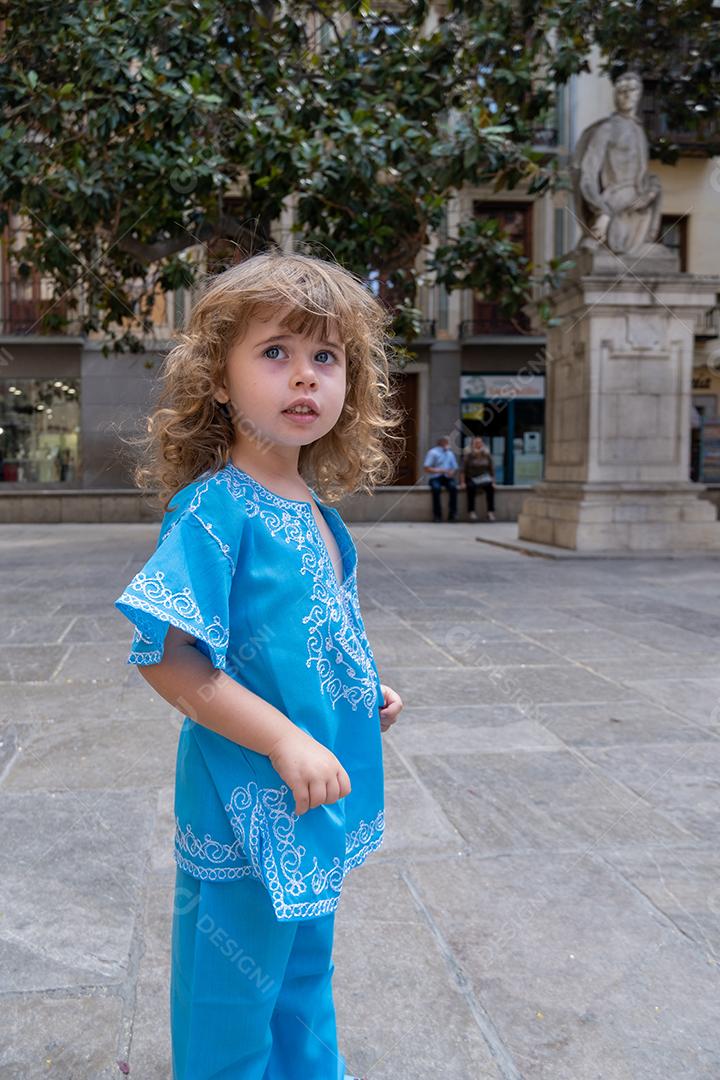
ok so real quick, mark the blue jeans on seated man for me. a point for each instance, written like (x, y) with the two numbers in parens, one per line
(436, 483)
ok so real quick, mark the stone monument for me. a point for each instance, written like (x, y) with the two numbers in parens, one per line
(619, 363)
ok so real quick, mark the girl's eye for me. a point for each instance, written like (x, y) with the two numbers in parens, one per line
(322, 352)
(270, 349)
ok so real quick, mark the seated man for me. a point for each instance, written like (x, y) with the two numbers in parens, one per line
(442, 465)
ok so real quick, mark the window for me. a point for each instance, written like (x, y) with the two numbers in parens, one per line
(508, 411)
(28, 303)
(673, 234)
(39, 430)
(516, 221)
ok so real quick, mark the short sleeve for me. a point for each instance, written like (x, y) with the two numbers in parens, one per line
(186, 583)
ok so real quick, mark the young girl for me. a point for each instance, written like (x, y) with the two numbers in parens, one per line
(247, 620)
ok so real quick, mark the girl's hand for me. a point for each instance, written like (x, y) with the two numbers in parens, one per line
(311, 771)
(392, 708)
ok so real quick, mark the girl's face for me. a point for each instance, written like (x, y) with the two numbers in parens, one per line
(269, 369)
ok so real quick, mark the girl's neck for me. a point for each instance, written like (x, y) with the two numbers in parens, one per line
(279, 476)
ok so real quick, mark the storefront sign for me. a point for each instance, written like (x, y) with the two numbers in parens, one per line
(511, 385)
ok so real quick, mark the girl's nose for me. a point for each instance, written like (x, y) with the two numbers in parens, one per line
(304, 372)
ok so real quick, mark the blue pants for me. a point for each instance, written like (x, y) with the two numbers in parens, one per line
(250, 997)
(437, 482)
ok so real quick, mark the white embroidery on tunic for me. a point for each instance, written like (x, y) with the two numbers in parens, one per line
(343, 658)
(208, 848)
(149, 593)
(190, 509)
(263, 822)
(261, 818)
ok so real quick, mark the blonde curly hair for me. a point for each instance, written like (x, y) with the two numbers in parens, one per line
(190, 433)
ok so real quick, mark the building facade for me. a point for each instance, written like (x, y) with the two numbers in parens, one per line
(484, 375)
(66, 409)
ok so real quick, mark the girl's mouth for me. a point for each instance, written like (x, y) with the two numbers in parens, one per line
(300, 416)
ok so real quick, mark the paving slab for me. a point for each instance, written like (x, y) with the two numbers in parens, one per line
(30, 663)
(446, 736)
(682, 782)
(34, 629)
(46, 701)
(545, 904)
(93, 752)
(149, 1053)
(399, 1011)
(94, 662)
(71, 881)
(582, 974)
(72, 1037)
(542, 801)
(683, 883)
(618, 722)
(698, 699)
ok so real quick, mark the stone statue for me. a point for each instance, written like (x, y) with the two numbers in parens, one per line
(618, 200)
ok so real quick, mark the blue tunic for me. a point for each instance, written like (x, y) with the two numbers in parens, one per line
(247, 573)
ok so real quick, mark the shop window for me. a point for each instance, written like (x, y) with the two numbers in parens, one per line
(704, 441)
(508, 411)
(39, 431)
(528, 442)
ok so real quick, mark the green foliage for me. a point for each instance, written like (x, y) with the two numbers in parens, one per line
(134, 131)
(676, 47)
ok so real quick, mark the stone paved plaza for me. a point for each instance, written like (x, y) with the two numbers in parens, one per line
(546, 903)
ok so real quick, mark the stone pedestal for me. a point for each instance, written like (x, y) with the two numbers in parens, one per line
(617, 445)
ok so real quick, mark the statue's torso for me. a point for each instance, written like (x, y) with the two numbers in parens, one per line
(626, 152)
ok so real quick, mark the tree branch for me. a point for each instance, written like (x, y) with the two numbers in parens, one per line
(224, 228)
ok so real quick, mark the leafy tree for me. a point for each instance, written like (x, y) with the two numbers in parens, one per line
(675, 46)
(133, 131)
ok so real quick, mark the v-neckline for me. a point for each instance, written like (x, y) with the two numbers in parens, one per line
(307, 504)
(340, 545)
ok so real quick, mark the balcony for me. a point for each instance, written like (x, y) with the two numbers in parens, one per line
(426, 329)
(709, 326)
(494, 324)
(28, 307)
(702, 140)
(28, 324)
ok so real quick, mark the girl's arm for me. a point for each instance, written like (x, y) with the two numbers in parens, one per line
(187, 680)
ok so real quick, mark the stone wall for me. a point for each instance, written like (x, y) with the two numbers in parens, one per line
(386, 504)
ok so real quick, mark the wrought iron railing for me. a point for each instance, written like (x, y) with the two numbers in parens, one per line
(494, 324)
(709, 324)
